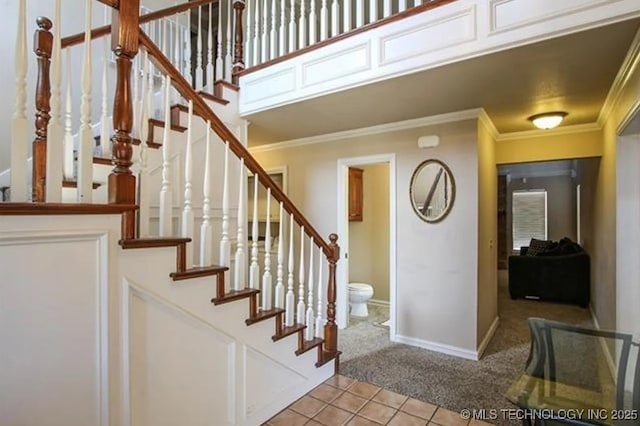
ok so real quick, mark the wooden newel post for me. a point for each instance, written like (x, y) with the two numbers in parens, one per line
(238, 58)
(330, 328)
(42, 45)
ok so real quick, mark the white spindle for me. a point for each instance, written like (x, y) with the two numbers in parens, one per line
(143, 176)
(254, 269)
(359, 13)
(19, 125)
(301, 308)
(313, 24)
(310, 318)
(387, 8)
(292, 27)
(187, 50)
(240, 273)
(176, 56)
(280, 267)
(302, 25)
(289, 316)
(152, 97)
(324, 21)
(256, 32)
(68, 123)
(335, 17)
(104, 117)
(266, 276)
(219, 60)
(54, 128)
(206, 239)
(273, 35)
(136, 93)
(85, 145)
(187, 210)
(199, 70)
(319, 320)
(225, 249)
(283, 29)
(228, 60)
(165, 188)
(402, 5)
(210, 72)
(264, 45)
(373, 10)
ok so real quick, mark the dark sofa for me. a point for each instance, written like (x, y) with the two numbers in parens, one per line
(558, 273)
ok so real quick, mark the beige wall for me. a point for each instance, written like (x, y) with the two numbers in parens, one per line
(369, 239)
(487, 293)
(436, 263)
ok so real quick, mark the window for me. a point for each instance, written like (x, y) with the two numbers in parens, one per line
(529, 216)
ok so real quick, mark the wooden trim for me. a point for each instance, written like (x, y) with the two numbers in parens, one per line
(139, 243)
(201, 108)
(288, 331)
(223, 83)
(263, 315)
(199, 271)
(111, 3)
(75, 39)
(213, 98)
(160, 123)
(74, 184)
(35, 209)
(307, 345)
(234, 295)
(385, 21)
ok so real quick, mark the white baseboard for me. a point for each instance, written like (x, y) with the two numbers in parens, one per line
(487, 337)
(603, 343)
(436, 347)
(377, 302)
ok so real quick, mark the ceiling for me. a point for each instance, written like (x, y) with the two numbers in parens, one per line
(571, 73)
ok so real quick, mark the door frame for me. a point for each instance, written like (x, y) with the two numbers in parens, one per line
(343, 232)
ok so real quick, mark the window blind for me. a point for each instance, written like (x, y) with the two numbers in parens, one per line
(529, 216)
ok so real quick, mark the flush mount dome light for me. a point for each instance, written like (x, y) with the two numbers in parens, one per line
(548, 120)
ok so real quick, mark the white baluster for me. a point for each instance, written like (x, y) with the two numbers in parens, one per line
(187, 210)
(19, 125)
(359, 13)
(283, 29)
(210, 71)
(273, 35)
(266, 276)
(219, 60)
(313, 24)
(68, 159)
(310, 317)
(280, 268)
(402, 5)
(165, 188)
(136, 93)
(85, 145)
(319, 320)
(240, 273)
(143, 176)
(152, 97)
(292, 27)
(302, 25)
(335, 17)
(176, 56)
(199, 70)
(289, 316)
(256, 32)
(228, 60)
(54, 128)
(225, 249)
(301, 308)
(387, 8)
(187, 50)
(264, 45)
(324, 21)
(206, 238)
(254, 269)
(105, 145)
(373, 10)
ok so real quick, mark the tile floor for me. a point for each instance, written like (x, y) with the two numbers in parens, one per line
(345, 401)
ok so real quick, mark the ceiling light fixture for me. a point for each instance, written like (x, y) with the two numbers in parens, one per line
(547, 120)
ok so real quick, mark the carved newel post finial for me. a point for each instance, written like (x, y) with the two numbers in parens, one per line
(331, 328)
(238, 59)
(42, 46)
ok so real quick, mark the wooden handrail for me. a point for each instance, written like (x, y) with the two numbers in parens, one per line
(201, 108)
(111, 3)
(163, 13)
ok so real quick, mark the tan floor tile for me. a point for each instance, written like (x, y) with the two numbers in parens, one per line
(332, 416)
(308, 406)
(313, 423)
(350, 402)
(475, 422)
(361, 421)
(446, 417)
(404, 419)
(418, 408)
(389, 398)
(342, 382)
(377, 412)
(325, 393)
(288, 418)
(363, 389)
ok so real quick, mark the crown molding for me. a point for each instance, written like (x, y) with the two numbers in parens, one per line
(564, 130)
(469, 114)
(484, 118)
(630, 63)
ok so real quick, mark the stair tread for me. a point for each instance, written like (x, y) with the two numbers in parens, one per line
(326, 356)
(263, 315)
(309, 344)
(198, 271)
(137, 243)
(212, 97)
(160, 123)
(67, 183)
(288, 331)
(234, 295)
(227, 84)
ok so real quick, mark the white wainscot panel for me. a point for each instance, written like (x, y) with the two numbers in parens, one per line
(448, 31)
(509, 14)
(182, 370)
(346, 62)
(53, 329)
(271, 85)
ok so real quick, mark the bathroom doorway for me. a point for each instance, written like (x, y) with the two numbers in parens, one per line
(368, 239)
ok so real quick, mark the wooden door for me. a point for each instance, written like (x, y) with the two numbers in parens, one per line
(355, 194)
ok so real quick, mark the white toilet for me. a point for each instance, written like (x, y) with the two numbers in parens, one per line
(359, 295)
